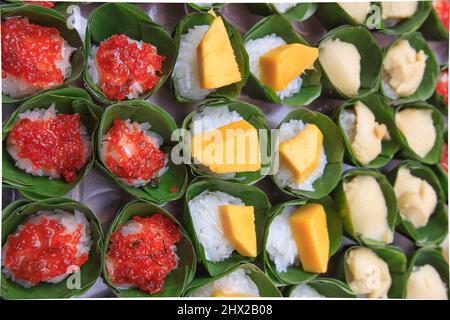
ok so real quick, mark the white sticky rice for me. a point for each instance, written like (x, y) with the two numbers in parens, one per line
(17, 88)
(284, 176)
(280, 245)
(258, 47)
(25, 163)
(131, 227)
(70, 221)
(211, 118)
(283, 7)
(157, 142)
(204, 210)
(185, 72)
(237, 282)
(305, 291)
(348, 123)
(135, 89)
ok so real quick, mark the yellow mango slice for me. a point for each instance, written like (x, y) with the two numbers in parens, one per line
(309, 229)
(301, 154)
(216, 60)
(283, 64)
(238, 225)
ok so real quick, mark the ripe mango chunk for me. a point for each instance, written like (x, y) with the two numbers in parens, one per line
(238, 225)
(216, 60)
(230, 148)
(283, 64)
(310, 232)
(301, 154)
(218, 294)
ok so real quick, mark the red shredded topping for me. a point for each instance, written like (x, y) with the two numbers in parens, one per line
(442, 86)
(121, 64)
(39, 252)
(173, 189)
(46, 4)
(144, 259)
(442, 8)
(130, 154)
(444, 157)
(29, 52)
(53, 144)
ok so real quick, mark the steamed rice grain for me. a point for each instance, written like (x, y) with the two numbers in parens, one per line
(305, 291)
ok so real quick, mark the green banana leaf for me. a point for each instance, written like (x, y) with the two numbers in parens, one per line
(250, 195)
(228, 92)
(434, 155)
(58, 6)
(255, 117)
(265, 287)
(310, 88)
(49, 18)
(436, 229)
(437, 100)
(410, 24)
(422, 257)
(334, 151)
(430, 77)
(295, 273)
(383, 114)
(15, 215)
(371, 60)
(123, 18)
(394, 257)
(439, 170)
(344, 209)
(433, 28)
(300, 12)
(332, 15)
(178, 279)
(67, 101)
(175, 178)
(327, 287)
(198, 7)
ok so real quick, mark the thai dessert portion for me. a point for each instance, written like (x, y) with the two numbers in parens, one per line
(44, 143)
(367, 208)
(235, 284)
(125, 68)
(206, 61)
(224, 143)
(367, 274)
(299, 235)
(283, 7)
(417, 126)
(302, 155)
(424, 282)
(341, 62)
(142, 253)
(416, 198)
(34, 57)
(47, 247)
(403, 69)
(363, 132)
(304, 290)
(442, 8)
(277, 64)
(223, 224)
(442, 86)
(132, 152)
(393, 12)
(357, 10)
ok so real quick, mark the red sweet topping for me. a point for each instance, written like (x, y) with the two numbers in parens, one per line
(46, 4)
(442, 8)
(39, 252)
(144, 259)
(121, 64)
(53, 144)
(130, 154)
(442, 86)
(29, 52)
